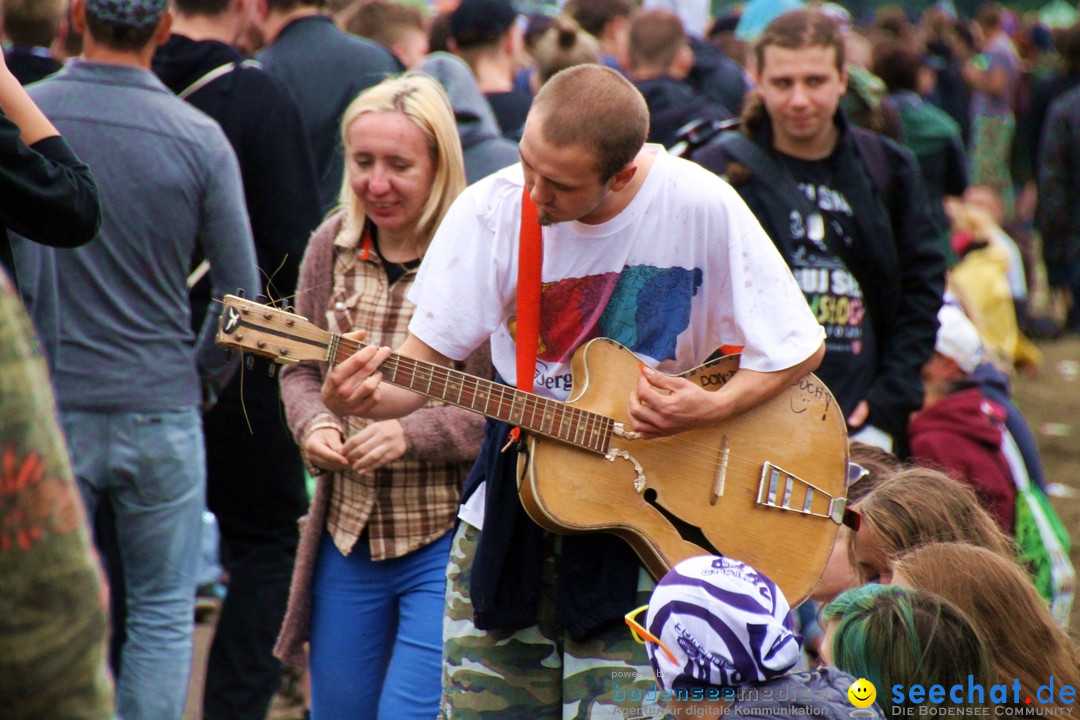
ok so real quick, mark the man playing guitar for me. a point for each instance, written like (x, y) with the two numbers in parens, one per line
(640, 247)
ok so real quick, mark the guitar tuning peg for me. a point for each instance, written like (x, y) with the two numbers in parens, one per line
(249, 361)
(262, 299)
(239, 292)
(272, 370)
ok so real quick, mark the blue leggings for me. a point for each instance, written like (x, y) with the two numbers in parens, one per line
(376, 633)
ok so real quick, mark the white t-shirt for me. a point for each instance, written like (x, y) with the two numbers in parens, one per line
(682, 270)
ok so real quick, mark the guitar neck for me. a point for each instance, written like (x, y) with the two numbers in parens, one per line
(544, 416)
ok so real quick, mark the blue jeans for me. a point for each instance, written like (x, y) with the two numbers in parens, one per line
(151, 468)
(376, 633)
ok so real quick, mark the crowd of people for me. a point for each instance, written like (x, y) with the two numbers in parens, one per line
(484, 192)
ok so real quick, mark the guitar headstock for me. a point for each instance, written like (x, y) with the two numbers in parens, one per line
(284, 337)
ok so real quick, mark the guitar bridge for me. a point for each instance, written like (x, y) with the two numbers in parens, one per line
(781, 490)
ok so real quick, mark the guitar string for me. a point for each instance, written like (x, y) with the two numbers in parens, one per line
(690, 448)
(701, 450)
(441, 373)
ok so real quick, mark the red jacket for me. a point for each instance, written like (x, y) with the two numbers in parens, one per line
(961, 435)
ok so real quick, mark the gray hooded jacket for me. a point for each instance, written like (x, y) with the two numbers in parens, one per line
(486, 150)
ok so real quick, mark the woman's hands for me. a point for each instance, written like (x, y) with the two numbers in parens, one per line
(376, 445)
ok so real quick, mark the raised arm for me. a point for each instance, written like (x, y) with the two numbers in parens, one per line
(21, 110)
(49, 195)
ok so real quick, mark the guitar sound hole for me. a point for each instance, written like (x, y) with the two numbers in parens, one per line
(688, 532)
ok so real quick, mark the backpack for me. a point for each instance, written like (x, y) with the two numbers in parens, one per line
(869, 146)
(1041, 537)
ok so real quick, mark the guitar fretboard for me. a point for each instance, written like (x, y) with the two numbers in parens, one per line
(554, 419)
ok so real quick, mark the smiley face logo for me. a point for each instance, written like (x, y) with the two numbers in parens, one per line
(862, 693)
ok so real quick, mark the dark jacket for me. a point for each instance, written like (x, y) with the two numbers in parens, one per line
(951, 92)
(485, 148)
(30, 64)
(961, 435)
(1059, 186)
(899, 263)
(673, 104)
(716, 76)
(935, 139)
(510, 108)
(995, 385)
(324, 69)
(1043, 92)
(596, 574)
(263, 125)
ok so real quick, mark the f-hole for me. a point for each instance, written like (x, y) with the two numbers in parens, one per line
(688, 532)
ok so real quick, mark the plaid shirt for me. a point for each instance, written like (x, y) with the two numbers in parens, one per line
(408, 503)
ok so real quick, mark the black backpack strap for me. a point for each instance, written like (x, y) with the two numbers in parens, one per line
(750, 154)
(763, 166)
(773, 179)
(871, 148)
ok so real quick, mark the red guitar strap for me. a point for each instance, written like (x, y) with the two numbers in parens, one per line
(530, 261)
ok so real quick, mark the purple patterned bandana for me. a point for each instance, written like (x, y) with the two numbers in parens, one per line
(726, 624)
(129, 13)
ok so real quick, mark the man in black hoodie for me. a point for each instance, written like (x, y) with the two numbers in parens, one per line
(847, 210)
(255, 478)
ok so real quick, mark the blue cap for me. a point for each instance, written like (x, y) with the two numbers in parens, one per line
(128, 13)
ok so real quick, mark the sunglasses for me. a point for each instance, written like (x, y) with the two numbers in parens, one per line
(855, 472)
(641, 635)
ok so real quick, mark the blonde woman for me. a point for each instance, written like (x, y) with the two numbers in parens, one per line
(369, 583)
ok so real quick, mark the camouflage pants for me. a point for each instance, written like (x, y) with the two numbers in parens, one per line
(538, 673)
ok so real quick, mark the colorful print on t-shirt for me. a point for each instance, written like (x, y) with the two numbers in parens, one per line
(643, 308)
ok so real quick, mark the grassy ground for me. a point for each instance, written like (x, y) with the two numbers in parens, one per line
(1050, 400)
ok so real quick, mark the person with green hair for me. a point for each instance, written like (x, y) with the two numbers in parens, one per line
(897, 636)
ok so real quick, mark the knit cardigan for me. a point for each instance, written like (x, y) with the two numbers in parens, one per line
(446, 432)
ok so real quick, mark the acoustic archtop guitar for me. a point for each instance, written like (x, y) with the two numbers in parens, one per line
(766, 487)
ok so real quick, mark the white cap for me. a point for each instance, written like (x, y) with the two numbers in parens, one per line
(958, 339)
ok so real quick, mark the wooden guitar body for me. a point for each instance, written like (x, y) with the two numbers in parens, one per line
(704, 491)
(767, 487)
